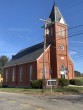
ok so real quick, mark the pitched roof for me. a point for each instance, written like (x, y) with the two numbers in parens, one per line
(56, 15)
(26, 55)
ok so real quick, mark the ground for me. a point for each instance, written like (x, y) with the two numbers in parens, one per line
(15, 101)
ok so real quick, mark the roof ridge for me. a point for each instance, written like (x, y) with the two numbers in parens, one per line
(29, 47)
(27, 50)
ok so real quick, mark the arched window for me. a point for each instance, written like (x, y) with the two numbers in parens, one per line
(6, 76)
(21, 74)
(63, 32)
(62, 68)
(31, 72)
(45, 72)
(59, 31)
(13, 75)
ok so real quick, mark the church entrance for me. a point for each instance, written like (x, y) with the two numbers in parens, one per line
(63, 76)
(63, 71)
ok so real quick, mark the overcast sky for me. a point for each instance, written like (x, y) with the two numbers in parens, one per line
(20, 26)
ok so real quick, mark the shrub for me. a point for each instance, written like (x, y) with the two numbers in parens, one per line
(63, 82)
(4, 86)
(36, 84)
(76, 82)
(72, 81)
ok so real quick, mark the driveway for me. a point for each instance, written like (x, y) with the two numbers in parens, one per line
(13, 101)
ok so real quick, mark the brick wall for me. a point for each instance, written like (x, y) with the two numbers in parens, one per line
(59, 57)
(47, 65)
(26, 74)
(55, 57)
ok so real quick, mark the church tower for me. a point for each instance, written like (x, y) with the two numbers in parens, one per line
(58, 38)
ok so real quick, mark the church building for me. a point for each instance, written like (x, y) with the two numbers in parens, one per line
(27, 64)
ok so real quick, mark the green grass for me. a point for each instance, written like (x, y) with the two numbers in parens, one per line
(63, 90)
(21, 90)
(70, 90)
(80, 78)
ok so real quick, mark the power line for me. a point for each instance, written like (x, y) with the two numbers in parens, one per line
(71, 28)
(75, 26)
(76, 34)
(73, 4)
(70, 36)
(80, 54)
(77, 42)
(57, 47)
(59, 31)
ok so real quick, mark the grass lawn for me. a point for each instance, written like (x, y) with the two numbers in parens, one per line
(61, 90)
(80, 78)
(70, 90)
(20, 90)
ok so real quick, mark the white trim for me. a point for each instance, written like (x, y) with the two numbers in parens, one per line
(62, 72)
(42, 53)
(61, 23)
(62, 20)
(62, 58)
(71, 58)
(61, 16)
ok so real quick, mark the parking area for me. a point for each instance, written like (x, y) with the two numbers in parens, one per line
(14, 101)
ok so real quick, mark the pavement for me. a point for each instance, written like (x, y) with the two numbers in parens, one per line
(15, 101)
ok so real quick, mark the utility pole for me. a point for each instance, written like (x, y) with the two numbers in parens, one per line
(44, 70)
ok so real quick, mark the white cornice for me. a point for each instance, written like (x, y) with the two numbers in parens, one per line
(42, 53)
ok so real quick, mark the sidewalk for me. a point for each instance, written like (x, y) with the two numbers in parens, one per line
(74, 86)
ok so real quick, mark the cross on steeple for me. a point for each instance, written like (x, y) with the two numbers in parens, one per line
(54, 2)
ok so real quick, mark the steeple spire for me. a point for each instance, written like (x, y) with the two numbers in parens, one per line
(54, 2)
(56, 15)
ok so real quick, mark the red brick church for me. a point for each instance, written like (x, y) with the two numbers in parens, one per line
(27, 64)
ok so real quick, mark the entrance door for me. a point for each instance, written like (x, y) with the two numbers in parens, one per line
(63, 76)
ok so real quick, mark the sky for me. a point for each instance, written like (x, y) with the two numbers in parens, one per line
(20, 25)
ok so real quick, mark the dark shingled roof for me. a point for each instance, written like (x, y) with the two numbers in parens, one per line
(55, 14)
(26, 55)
